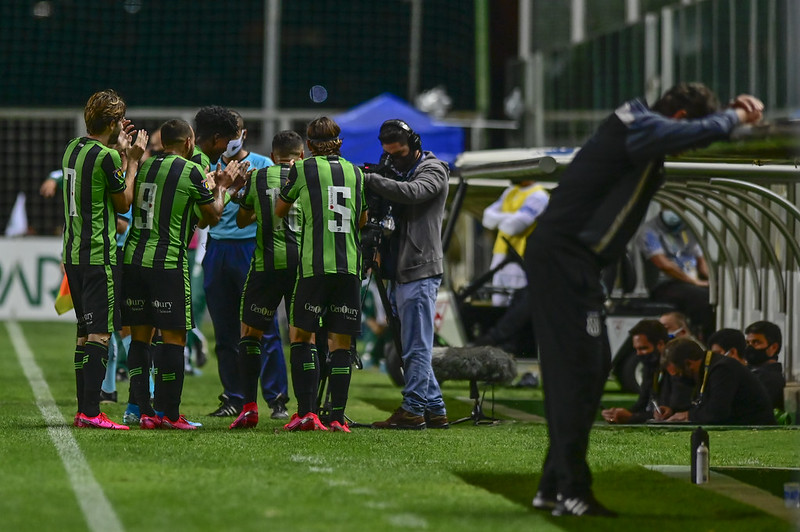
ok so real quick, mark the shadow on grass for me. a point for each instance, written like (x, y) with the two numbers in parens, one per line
(518, 488)
(643, 498)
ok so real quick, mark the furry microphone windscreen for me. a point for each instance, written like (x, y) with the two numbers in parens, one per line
(480, 363)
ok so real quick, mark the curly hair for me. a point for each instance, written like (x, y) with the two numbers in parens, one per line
(323, 136)
(215, 120)
(102, 108)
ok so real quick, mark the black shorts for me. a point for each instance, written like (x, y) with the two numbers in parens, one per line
(161, 298)
(336, 296)
(262, 294)
(94, 297)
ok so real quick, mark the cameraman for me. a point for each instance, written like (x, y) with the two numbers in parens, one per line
(418, 190)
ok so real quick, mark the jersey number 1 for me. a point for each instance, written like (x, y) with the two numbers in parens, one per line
(69, 177)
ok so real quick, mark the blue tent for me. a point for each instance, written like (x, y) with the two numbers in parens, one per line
(360, 127)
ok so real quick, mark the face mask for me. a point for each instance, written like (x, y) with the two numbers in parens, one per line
(674, 333)
(754, 356)
(404, 163)
(671, 221)
(651, 358)
(234, 146)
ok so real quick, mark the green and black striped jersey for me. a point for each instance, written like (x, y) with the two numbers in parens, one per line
(200, 158)
(277, 239)
(92, 172)
(167, 189)
(329, 191)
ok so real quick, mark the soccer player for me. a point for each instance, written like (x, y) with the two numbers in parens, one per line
(95, 188)
(330, 191)
(156, 275)
(273, 268)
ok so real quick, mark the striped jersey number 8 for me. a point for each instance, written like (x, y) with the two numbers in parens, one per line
(145, 201)
(335, 194)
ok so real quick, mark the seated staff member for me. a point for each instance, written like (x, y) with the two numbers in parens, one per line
(660, 395)
(728, 393)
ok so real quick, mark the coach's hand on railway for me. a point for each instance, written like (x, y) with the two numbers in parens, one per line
(749, 108)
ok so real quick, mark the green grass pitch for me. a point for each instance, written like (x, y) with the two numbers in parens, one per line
(464, 479)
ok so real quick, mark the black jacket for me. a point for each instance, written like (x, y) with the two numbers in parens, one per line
(771, 376)
(604, 193)
(732, 396)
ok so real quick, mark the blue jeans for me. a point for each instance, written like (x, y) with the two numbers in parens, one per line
(225, 268)
(415, 304)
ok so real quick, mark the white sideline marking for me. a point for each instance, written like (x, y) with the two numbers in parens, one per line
(100, 516)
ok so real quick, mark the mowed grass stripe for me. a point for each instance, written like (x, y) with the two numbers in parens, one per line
(100, 516)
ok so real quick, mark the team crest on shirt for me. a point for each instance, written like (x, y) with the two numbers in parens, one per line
(593, 327)
(119, 175)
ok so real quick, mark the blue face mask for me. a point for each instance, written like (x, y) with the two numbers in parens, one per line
(673, 334)
(671, 220)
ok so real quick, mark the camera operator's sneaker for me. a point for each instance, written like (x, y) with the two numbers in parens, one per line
(228, 407)
(580, 506)
(180, 424)
(401, 419)
(335, 426)
(150, 422)
(308, 422)
(248, 418)
(100, 421)
(432, 421)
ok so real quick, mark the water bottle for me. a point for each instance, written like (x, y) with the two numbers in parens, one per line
(702, 464)
(699, 436)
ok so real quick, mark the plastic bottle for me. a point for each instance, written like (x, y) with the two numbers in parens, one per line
(698, 436)
(702, 464)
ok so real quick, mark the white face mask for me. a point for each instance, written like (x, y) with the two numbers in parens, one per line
(234, 146)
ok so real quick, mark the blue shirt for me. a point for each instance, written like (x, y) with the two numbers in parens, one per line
(226, 228)
(122, 237)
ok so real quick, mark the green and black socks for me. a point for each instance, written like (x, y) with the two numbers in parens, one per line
(139, 363)
(339, 382)
(305, 376)
(95, 359)
(250, 360)
(168, 363)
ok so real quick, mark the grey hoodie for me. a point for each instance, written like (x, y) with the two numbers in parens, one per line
(418, 218)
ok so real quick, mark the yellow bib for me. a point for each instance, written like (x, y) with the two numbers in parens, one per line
(513, 202)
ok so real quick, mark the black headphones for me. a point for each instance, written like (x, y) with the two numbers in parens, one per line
(414, 142)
